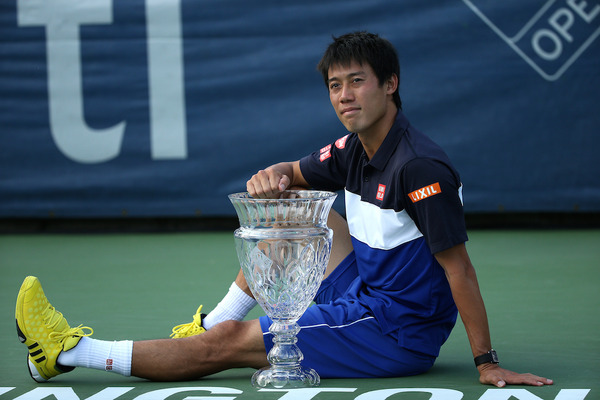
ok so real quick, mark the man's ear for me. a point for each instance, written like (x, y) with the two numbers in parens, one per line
(392, 84)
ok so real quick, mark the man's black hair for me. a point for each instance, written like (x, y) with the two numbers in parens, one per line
(363, 47)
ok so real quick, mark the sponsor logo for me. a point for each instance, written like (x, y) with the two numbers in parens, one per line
(325, 153)
(550, 35)
(73, 136)
(380, 192)
(425, 192)
(109, 364)
(341, 142)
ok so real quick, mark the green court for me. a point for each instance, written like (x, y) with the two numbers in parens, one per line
(541, 290)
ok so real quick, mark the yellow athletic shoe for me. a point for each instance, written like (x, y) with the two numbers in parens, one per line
(44, 331)
(191, 328)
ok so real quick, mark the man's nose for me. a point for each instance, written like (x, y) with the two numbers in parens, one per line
(347, 94)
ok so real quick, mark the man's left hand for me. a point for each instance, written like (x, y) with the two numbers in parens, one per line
(492, 374)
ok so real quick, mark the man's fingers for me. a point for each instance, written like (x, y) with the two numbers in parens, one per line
(255, 186)
(267, 184)
(501, 377)
(529, 379)
(284, 183)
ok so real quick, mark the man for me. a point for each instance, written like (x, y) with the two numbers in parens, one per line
(398, 272)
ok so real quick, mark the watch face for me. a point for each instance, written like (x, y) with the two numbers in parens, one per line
(494, 357)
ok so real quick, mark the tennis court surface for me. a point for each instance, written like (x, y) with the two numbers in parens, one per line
(541, 290)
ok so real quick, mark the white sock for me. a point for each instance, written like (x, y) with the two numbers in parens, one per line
(235, 306)
(100, 354)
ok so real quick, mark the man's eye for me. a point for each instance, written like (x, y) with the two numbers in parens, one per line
(334, 86)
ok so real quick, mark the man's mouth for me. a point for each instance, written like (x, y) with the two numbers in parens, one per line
(349, 111)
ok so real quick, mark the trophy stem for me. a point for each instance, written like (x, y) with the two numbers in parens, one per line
(285, 358)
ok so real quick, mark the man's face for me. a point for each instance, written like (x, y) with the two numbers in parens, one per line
(359, 101)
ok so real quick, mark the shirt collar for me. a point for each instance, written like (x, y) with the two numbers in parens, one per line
(389, 144)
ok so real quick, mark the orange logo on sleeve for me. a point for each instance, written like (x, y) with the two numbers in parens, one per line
(425, 192)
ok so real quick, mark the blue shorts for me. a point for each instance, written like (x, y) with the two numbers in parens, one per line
(341, 339)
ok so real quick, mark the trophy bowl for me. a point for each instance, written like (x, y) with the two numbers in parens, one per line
(283, 246)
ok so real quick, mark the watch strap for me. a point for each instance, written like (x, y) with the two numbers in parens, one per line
(489, 357)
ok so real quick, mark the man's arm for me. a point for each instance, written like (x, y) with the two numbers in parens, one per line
(271, 181)
(467, 296)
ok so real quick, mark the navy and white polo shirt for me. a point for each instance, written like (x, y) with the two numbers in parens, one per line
(402, 206)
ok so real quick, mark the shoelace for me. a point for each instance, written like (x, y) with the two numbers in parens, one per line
(52, 318)
(191, 328)
(71, 332)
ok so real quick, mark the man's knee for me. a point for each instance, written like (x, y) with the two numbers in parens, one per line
(229, 329)
(240, 342)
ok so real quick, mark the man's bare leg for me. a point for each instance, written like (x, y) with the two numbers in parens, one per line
(240, 281)
(230, 344)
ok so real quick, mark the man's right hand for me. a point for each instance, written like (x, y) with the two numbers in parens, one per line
(267, 183)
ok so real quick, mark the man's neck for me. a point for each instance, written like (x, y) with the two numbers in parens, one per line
(373, 139)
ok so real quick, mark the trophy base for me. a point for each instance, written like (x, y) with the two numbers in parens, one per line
(277, 377)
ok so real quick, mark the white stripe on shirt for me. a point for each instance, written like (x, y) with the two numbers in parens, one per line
(379, 228)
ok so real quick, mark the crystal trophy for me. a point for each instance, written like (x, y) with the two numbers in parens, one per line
(283, 246)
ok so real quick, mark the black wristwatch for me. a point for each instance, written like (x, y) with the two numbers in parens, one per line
(489, 357)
